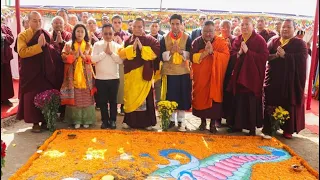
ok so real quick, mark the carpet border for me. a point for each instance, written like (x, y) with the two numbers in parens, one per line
(44, 146)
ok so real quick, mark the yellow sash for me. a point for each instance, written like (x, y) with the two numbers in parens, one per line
(164, 88)
(79, 79)
(176, 57)
(136, 90)
(284, 42)
(245, 38)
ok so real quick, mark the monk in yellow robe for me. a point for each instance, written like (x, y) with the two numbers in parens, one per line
(139, 54)
(210, 57)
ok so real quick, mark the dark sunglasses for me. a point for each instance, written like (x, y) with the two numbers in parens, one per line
(106, 34)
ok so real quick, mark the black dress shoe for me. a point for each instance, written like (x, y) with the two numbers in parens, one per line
(172, 124)
(202, 126)
(104, 126)
(113, 125)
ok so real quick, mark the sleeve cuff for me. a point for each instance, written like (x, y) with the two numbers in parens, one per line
(147, 53)
(186, 55)
(196, 58)
(166, 56)
(130, 53)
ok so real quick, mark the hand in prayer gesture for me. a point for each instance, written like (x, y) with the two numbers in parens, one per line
(41, 40)
(139, 43)
(68, 49)
(209, 48)
(108, 50)
(94, 36)
(78, 53)
(175, 48)
(59, 37)
(244, 47)
(117, 39)
(280, 52)
(135, 44)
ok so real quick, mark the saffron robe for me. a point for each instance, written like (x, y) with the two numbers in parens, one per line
(208, 78)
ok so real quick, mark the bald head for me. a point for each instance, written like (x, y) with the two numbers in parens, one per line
(57, 23)
(225, 27)
(261, 23)
(35, 21)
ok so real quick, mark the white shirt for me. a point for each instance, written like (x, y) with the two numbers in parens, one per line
(107, 66)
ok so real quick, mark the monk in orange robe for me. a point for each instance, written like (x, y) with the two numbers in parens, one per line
(210, 57)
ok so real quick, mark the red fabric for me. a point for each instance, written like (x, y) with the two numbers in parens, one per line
(249, 70)
(6, 51)
(175, 38)
(267, 34)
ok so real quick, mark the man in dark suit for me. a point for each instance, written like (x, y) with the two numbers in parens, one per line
(197, 32)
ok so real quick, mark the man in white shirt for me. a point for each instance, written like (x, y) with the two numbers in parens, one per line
(107, 61)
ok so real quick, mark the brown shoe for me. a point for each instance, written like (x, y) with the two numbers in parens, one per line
(36, 128)
(213, 128)
(44, 126)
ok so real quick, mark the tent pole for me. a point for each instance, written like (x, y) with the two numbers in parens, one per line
(313, 57)
(17, 6)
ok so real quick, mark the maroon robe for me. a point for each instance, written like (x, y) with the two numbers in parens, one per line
(227, 96)
(285, 82)
(121, 34)
(6, 56)
(142, 119)
(267, 34)
(37, 74)
(246, 83)
(59, 66)
(98, 34)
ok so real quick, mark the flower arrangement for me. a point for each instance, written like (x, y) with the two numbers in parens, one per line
(166, 108)
(48, 102)
(278, 118)
(3, 154)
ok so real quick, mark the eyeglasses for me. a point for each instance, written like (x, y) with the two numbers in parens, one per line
(106, 34)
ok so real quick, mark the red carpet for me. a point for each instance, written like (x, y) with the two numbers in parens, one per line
(7, 111)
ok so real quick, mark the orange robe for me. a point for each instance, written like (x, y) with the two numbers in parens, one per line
(208, 75)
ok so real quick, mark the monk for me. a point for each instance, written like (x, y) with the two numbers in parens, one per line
(6, 56)
(225, 27)
(261, 29)
(285, 79)
(176, 82)
(210, 55)
(59, 37)
(139, 53)
(250, 53)
(37, 71)
(94, 34)
(64, 14)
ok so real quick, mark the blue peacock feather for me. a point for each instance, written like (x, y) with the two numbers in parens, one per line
(219, 166)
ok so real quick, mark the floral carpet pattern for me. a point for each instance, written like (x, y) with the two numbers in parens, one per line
(93, 154)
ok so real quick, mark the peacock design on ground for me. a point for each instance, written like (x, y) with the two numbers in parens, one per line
(216, 167)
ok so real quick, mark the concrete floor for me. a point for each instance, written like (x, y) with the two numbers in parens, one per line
(22, 143)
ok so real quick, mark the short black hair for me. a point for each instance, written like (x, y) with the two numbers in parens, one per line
(140, 19)
(291, 20)
(62, 10)
(116, 17)
(130, 20)
(108, 25)
(209, 22)
(236, 17)
(156, 21)
(176, 16)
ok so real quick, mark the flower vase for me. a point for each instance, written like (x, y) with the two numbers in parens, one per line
(165, 121)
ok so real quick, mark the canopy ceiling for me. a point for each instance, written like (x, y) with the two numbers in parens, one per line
(292, 7)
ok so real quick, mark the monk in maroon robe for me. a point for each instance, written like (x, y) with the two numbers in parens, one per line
(261, 29)
(250, 53)
(6, 56)
(285, 79)
(141, 115)
(37, 71)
